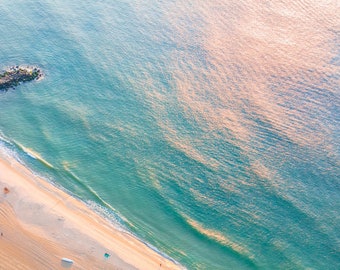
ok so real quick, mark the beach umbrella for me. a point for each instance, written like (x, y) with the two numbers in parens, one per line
(66, 263)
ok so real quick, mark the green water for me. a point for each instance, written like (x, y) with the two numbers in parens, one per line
(210, 130)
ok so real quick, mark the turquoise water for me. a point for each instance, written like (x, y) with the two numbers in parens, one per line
(209, 129)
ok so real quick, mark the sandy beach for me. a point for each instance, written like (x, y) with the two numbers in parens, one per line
(41, 224)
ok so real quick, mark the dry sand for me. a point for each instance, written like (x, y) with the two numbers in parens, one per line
(41, 224)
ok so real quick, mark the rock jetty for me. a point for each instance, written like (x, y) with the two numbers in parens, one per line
(15, 75)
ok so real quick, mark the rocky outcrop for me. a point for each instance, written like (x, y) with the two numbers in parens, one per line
(13, 76)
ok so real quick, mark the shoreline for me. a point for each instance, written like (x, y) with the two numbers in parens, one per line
(53, 225)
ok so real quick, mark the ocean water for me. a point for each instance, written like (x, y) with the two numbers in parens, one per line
(209, 129)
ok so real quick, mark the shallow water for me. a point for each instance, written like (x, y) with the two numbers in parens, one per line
(210, 129)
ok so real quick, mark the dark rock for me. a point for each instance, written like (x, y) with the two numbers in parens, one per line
(15, 75)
